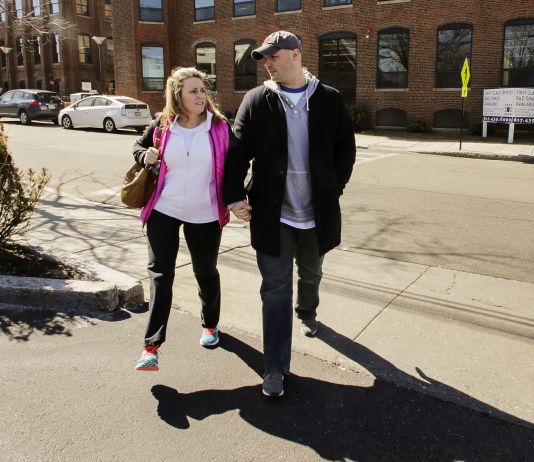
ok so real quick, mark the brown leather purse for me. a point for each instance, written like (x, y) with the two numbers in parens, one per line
(139, 182)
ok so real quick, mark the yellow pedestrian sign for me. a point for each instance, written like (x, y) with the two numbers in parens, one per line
(466, 75)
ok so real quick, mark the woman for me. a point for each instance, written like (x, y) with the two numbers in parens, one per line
(193, 137)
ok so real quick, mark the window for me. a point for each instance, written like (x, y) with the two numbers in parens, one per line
(56, 50)
(337, 2)
(36, 7)
(22, 84)
(204, 10)
(244, 8)
(153, 68)
(54, 6)
(36, 44)
(86, 102)
(393, 50)
(287, 5)
(337, 58)
(205, 59)
(39, 84)
(518, 64)
(150, 10)
(110, 53)
(101, 102)
(19, 51)
(3, 60)
(108, 10)
(82, 7)
(244, 65)
(3, 15)
(454, 45)
(84, 49)
(19, 11)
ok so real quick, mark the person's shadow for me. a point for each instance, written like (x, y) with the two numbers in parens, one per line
(381, 422)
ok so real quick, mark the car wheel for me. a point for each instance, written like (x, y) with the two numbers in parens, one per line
(66, 122)
(109, 125)
(24, 118)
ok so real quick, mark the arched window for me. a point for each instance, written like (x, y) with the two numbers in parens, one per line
(110, 53)
(454, 45)
(244, 65)
(393, 54)
(36, 45)
(337, 63)
(84, 49)
(19, 49)
(206, 62)
(56, 50)
(518, 64)
(153, 67)
(391, 117)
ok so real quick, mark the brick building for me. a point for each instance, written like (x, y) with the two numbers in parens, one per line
(399, 58)
(50, 44)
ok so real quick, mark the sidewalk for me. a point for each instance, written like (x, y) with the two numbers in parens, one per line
(458, 336)
(490, 148)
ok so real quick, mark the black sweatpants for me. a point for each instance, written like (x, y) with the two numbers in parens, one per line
(203, 241)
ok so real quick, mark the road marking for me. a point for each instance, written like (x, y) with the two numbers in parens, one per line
(368, 157)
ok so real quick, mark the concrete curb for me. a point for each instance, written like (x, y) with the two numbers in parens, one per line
(525, 158)
(103, 289)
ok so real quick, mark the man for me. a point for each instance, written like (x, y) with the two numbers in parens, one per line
(297, 133)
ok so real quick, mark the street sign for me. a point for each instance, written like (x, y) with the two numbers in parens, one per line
(466, 75)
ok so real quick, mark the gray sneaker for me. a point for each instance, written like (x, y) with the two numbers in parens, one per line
(273, 384)
(309, 327)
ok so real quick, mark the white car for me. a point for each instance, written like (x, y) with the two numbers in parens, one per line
(107, 112)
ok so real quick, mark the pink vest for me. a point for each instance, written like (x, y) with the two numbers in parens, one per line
(219, 140)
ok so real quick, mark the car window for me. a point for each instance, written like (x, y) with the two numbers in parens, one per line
(128, 101)
(18, 94)
(86, 102)
(102, 102)
(46, 96)
(7, 96)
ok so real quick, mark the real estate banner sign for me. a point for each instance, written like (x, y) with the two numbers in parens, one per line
(509, 105)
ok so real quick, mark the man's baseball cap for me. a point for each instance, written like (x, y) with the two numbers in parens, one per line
(279, 40)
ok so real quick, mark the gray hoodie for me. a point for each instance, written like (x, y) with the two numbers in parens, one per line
(297, 207)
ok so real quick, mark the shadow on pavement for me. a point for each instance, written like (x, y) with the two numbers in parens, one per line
(21, 324)
(347, 422)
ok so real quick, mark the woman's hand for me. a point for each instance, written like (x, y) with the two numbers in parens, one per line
(242, 210)
(151, 156)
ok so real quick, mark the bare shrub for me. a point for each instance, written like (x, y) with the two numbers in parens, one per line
(19, 192)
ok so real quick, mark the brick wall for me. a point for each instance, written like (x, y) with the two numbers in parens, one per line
(179, 35)
(69, 71)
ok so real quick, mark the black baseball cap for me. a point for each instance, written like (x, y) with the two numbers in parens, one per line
(279, 40)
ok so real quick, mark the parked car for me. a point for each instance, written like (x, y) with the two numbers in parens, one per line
(30, 105)
(107, 112)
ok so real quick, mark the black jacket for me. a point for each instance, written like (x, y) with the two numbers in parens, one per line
(261, 137)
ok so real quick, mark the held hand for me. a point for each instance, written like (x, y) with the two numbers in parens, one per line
(151, 156)
(242, 210)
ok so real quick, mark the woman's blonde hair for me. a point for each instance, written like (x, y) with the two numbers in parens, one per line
(173, 95)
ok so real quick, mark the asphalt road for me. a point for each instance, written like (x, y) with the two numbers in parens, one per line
(69, 392)
(467, 214)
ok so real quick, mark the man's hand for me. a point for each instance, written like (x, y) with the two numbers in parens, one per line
(242, 210)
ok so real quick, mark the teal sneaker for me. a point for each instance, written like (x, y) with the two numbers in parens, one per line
(148, 360)
(210, 337)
